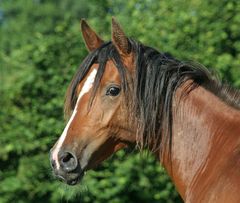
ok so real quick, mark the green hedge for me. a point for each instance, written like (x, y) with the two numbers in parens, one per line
(42, 48)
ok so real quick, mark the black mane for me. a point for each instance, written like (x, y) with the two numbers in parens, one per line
(158, 75)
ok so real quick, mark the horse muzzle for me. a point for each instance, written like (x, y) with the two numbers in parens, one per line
(67, 168)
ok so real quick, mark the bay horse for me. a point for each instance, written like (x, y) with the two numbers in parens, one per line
(127, 93)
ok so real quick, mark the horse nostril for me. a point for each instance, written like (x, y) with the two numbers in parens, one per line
(67, 158)
(68, 161)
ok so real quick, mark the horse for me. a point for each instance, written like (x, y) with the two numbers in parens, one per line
(126, 93)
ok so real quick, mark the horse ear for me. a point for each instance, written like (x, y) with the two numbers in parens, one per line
(92, 40)
(119, 38)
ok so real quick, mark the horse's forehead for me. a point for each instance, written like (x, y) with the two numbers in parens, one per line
(81, 84)
(110, 74)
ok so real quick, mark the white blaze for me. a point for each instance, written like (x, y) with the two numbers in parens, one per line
(86, 87)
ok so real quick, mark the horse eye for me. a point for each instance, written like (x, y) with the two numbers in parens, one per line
(113, 91)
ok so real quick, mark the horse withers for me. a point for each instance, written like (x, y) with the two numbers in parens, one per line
(127, 93)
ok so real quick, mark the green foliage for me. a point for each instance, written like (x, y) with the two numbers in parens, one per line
(42, 48)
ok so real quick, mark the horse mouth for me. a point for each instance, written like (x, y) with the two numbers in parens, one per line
(74, 181)
(71, 178)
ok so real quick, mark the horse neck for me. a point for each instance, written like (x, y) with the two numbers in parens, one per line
(205, 145)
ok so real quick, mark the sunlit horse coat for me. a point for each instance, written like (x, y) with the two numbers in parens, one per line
(127, 93)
